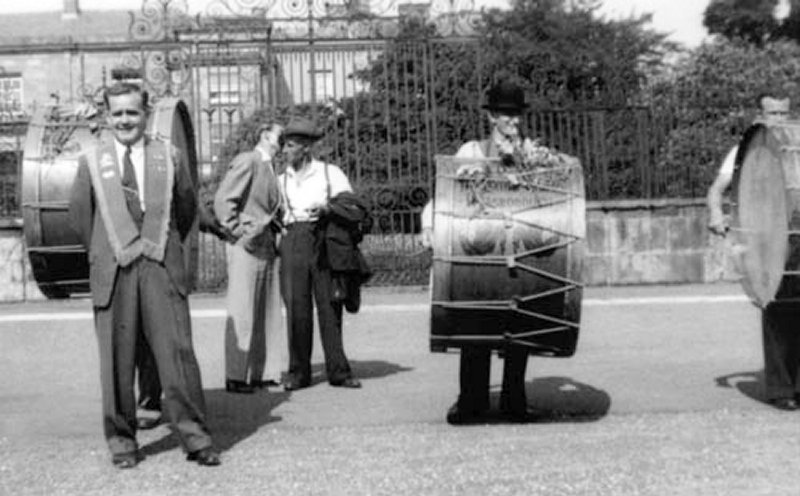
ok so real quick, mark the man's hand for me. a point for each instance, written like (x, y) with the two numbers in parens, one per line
(472, 171)
(427, 238)
(318, 210)
(717, 223)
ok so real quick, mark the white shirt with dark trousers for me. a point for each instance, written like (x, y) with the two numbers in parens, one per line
(304, 276)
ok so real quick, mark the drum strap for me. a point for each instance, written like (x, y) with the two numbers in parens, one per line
(124, 236)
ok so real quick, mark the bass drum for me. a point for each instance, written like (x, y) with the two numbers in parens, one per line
(765, 226)
(55, 139)
(508, 256)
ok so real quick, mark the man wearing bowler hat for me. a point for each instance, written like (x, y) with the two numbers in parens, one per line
(307, 185)
(505, 103)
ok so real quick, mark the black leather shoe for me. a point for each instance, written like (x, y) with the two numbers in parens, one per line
(789, 404)
(292, 385)
(460, 416)
(239, 387)
(207, 457)
(350, 382)
(520, 415)
(125, 460)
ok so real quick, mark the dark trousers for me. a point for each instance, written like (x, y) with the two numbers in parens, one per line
(780, 327)
(474, 379)
(303, 284)
(147, 376)
(145, 304)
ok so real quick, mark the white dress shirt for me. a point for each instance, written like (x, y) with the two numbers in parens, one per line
(726, 168)
(137, 157)
(307, 189)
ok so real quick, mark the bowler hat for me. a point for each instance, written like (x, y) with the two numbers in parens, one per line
(300, 126)
(505, 97)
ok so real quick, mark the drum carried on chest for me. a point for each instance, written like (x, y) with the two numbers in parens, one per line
(765, 228)
(55, 139)
(508, 256)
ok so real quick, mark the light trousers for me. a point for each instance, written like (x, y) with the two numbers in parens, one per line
(256, 346)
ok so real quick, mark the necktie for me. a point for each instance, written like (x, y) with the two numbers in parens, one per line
(131, 188)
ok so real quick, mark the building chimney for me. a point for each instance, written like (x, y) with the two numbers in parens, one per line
(71, 9)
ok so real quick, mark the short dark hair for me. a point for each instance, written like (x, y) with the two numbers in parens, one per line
(126, 88)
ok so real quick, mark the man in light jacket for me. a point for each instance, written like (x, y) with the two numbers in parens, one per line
(248, 205)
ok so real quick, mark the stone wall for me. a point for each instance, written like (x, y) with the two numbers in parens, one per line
(628, 242)
(653, 242)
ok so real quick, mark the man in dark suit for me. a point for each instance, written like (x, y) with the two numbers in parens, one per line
(132, 203)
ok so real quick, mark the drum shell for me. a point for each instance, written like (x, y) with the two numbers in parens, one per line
(765, 237)
(59, 261)
(487, 304)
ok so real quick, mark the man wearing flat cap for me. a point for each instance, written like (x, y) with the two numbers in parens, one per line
(779, 319)
(307, 186)
(505, 103)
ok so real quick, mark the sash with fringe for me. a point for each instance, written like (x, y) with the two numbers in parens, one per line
(127, 242)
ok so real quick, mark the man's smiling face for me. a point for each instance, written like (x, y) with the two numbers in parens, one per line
(127, 117)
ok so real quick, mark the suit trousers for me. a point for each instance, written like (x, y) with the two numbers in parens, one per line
(474, 375)
(781, 337)
(146, 303)
(303, 284)
(147, 375)
(255, 331)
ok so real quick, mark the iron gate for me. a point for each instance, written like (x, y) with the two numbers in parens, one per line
(373, 95)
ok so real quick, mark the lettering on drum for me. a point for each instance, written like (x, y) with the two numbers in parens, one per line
(512, 213)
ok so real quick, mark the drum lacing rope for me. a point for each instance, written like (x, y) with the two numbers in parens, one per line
(512, 261)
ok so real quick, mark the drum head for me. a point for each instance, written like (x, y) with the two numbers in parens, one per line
(761, 219)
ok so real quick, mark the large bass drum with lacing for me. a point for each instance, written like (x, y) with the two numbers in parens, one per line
(765, 228)
(56, 136)
(508, 256)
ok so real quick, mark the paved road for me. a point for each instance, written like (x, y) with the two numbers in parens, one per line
(663, 397)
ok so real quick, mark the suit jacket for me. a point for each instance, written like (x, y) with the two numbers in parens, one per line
(343, 232)
(87, 221)
(247, 203)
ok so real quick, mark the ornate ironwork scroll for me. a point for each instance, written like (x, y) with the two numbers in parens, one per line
(301, 19)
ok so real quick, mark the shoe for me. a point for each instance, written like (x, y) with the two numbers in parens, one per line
(520, 415)
(239, 387)
(293, 385)
(789, 404)
(125, 460)
(265, 384)
(460, 416)
(147, 423)
(350, 382)
(207, 457)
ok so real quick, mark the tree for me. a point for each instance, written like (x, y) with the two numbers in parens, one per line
(710, 99)
(566, 53)
(751, 20)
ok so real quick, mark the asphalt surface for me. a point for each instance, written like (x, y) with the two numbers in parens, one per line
(663, 397)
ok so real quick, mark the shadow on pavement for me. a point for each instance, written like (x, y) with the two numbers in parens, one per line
(561, 399)
(749, 384)
(364, 369)
(231, 418)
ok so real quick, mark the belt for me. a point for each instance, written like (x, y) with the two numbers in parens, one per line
(301, 224)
